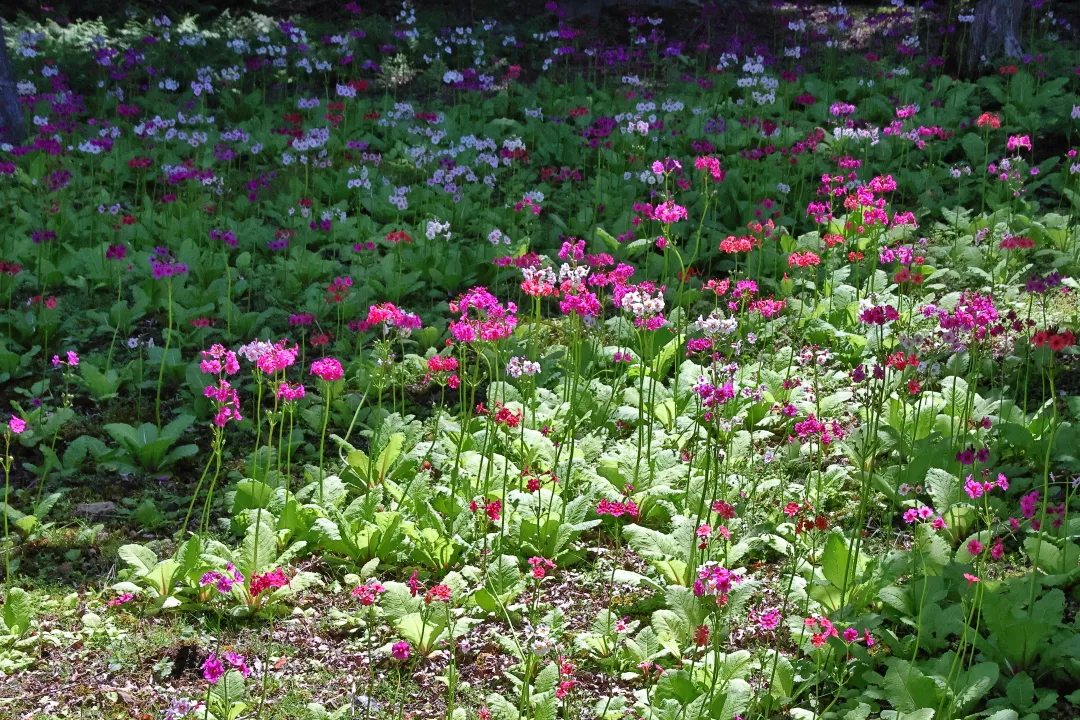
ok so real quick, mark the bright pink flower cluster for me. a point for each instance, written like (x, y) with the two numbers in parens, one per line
(716, 581)
(669, 212)
(272, 580)
(389, 316)
(217, 360)
(223, 581)
(540, 567)
(444, 371)
(879, 315)
(228, 402)
(369, 592)
(290, 392)
(71, 361)
(277, 358)
(812, 427)
(617, 509)
(327, 369)
(710, 165)
(806, 259)
(492, 321)
(976, 489)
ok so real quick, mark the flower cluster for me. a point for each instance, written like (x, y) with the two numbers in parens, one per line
(223, 581)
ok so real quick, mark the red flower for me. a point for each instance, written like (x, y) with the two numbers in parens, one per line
(1060, 341)
(439, 593)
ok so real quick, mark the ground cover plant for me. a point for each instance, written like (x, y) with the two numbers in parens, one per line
(366, 365)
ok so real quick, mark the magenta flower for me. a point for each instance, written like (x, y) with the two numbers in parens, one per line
(400, 651)
(17, 425)
(290, 392)
(212, 669)
(669, 212)
(327, 369)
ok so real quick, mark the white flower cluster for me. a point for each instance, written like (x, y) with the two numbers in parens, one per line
(359, 182)
(539, 274)
(857, 134)
(436, 228)
(715, 325)
(519, 366)
(641, 304)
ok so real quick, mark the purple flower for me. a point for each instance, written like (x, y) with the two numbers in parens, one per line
(212, 669)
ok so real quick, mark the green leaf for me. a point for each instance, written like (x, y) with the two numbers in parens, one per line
(229, 689)
(646, 646)
(1021, 691)
(259, 549)
(161, 576)
(934, 552)
(19, 611)
(836, 562)
(389, 455)
(906, 688)
(945, 488)
(976, 683)
(421, 635)
(1052, 559)
(141, 559)
(502, 574)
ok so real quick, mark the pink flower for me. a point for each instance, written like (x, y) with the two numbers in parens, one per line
(400, 651)
(413, 584)
(121, 599)
(439, 593)
(17, 425)
(851, 635)
(272, 580)
(974, 547)
(669, 212)
(540, 567)
(369, 592)
(212, 669)
(998, 551)
(218, 360)
(972, 579)
(769, 620)
(290, 392)
(237, 661)
(327, 369)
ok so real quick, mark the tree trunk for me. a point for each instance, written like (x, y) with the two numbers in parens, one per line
(12, 122)
(995, 31)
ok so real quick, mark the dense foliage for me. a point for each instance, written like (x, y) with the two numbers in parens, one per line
(367, 367)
